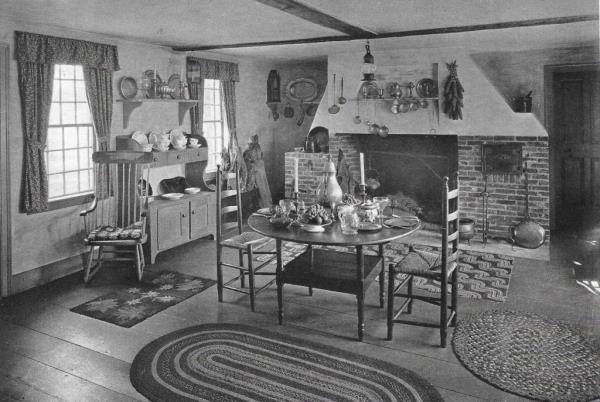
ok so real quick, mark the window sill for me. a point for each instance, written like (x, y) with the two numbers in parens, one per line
(70, 202)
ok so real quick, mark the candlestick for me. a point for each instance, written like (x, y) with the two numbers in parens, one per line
(363, 192)
(296, 175)
(362, 169)
(154, 72)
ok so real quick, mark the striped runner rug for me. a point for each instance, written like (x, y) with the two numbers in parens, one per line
(231, 362)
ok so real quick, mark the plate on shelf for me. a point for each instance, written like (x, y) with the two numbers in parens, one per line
(264, 211)
(192, 190)
(174, 82)
(426, 88)
(369, 227)
(172, 196)
(403, 222)
(128, 87)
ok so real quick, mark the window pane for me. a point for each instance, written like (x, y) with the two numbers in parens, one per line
(67, 91)
(71, 160)
(55, 185)
(84, 158)
(54, 114)
(55, 90)
(78, 73)
(209, 131)
(84, 181)
(217, 97)
(71, 182)
(54, 140)
(68, 113)
(70, 137)
(83, 114)
(67, 71)
(83, 137)
(209, 112)
(217, 112)
(55, 161)
(80, 90)
(207, 96)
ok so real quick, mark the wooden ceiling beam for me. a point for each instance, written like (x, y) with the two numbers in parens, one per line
(400, 34)
(316, 17)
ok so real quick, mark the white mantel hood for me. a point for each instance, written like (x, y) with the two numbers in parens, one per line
(486, 112)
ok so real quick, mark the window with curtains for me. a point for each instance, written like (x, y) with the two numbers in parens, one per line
(214, 123)
(70, 141)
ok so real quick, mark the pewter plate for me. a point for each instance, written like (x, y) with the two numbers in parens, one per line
(302, 89)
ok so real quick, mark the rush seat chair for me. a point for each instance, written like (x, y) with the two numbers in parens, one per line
(441, 267)
(230, 235)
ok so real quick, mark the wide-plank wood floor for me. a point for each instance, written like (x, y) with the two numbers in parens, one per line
(48, 353)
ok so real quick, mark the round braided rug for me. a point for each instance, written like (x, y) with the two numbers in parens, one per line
(529, 355)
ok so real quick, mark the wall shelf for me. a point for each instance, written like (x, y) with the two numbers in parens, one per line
(129, 105)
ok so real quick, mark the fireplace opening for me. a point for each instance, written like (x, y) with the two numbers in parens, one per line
(410, 169)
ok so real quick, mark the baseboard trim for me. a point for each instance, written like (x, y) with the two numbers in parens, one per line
(42, 275)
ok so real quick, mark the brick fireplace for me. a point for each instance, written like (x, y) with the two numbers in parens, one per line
(413, 165)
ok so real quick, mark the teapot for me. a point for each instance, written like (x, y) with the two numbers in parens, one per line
(368, 212)
(160, 140)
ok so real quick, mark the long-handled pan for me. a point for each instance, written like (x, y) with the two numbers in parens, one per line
(528, 233)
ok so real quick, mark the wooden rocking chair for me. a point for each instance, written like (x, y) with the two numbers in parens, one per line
(115, 222)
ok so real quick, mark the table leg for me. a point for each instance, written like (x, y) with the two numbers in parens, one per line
(279, 281)
(312, 264)
(381, 277)
(360, 295)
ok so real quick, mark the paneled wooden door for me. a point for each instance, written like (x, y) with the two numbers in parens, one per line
(576, 131)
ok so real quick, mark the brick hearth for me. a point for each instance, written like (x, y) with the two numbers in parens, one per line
(506, 203)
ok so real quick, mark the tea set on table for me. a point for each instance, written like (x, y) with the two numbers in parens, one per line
(162, 141)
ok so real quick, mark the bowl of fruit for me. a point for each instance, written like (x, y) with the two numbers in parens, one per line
(280, 218)
(315, 218)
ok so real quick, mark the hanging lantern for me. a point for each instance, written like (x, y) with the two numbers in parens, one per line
(368, 88)
(368, 68)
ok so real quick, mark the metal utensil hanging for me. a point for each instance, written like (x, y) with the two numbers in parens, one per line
(333, 109)
(341, 99)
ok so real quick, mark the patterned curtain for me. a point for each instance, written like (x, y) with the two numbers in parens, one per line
(197, 71)
(36, 56)
(44, 49)
(212, 70)
(35, 86)
(99, 88)
(197, 112)
(233, 149)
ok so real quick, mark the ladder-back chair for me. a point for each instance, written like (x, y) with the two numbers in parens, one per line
(115, 222)
(247, 243)
(440, 267)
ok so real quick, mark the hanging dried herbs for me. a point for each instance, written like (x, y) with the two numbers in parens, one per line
(453, 93)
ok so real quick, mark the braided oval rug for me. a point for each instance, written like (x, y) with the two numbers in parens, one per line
(231, 362)
(529, 355)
